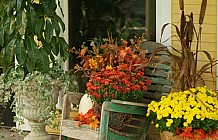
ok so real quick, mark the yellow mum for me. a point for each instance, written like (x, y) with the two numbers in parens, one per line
(185, 124)
(92, 63)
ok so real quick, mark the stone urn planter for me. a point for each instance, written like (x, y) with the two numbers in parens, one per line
(36, 114)
(36, 102)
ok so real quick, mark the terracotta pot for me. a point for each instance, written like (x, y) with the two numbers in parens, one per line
(166, 135)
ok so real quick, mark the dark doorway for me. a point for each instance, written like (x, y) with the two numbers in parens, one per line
(6, 115)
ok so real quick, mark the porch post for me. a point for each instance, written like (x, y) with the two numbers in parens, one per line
(163, 15)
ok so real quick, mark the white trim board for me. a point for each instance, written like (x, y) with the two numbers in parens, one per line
(163, 16)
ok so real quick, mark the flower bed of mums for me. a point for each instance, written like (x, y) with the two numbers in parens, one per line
(189, 114)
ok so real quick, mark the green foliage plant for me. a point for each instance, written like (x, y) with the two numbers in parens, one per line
(30, 34)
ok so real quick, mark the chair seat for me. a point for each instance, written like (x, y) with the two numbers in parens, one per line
(83, 132)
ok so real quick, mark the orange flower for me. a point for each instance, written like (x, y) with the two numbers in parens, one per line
(83, 51)
(187, 133)
(199, 134)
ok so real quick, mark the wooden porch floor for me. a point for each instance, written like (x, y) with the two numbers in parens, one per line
(7, 134)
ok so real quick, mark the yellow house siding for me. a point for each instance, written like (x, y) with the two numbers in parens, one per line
(209, 31)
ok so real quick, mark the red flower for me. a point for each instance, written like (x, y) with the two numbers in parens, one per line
(179, 131)
(88, 84)
(112, 96)
(141, 83)
(135, 87)
(199, 134)
(213, 134)
(148, 82)
(106, 82)
(98, 96)
(144, 87)
(139, 74)
(187, 133)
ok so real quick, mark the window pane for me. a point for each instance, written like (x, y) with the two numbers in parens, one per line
(124, 18)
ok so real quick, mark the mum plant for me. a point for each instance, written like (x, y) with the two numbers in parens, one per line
(190, 114)
(117, 83)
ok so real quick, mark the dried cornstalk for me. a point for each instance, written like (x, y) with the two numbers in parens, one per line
(202, 12)
(181, 4)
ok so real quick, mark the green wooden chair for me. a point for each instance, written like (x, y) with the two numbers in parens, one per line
(159, 72)
(135, 130)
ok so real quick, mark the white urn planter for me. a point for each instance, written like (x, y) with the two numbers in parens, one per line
(31, 111)
(37, 109)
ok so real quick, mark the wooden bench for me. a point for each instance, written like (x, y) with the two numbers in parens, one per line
(69, 127)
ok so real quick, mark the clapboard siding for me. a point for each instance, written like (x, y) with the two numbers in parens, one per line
(209, 32)
(194, 2)
(209, 19)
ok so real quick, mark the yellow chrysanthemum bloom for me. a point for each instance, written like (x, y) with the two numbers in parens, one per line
(202, 89)
(185, 124)
(188, 106)
(157, 125)
(109, 67)
(92, 63)
(168, 124)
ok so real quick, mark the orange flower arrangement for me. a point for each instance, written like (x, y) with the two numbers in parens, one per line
(110, 53)
(117, 83)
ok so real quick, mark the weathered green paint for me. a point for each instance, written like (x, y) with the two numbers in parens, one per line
(104, 123)
(105, 134)
(64, 137)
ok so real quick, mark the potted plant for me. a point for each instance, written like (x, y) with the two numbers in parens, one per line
(191, 114)
(30, 32)
(185, 59)
(188, 112)
(113, 69)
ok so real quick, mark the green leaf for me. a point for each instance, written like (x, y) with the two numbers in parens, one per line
(18, 4)
(21, 22)
(48, 31)
(56, 26)
(32, 17)
(54, 46)
(12, 4)
(39, 27)
(44, 61)
(10, 25)
(64, 48)
(20, 52)
(8, 53)
(2, 32)
(61, 22)
(30, 65)
(32, 49)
